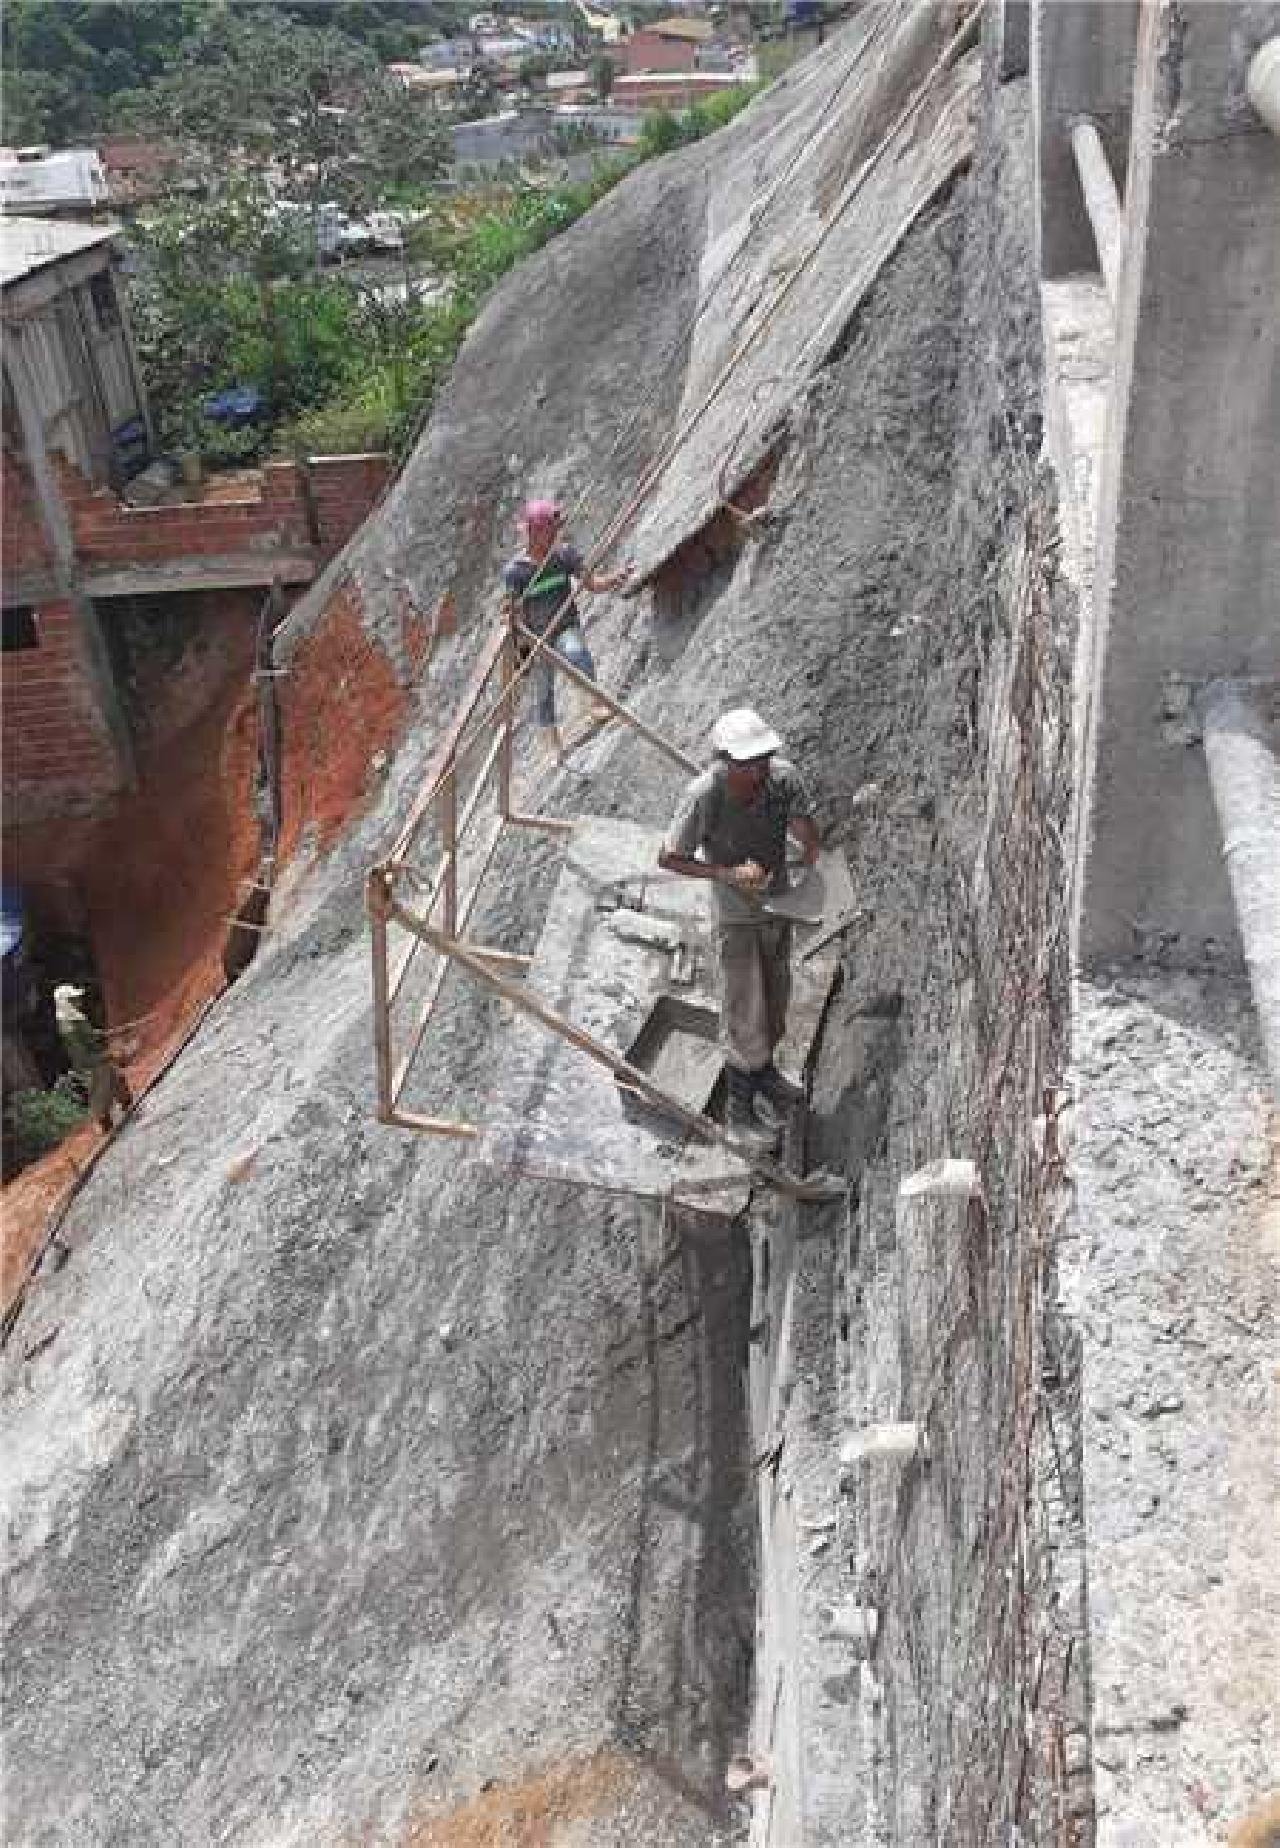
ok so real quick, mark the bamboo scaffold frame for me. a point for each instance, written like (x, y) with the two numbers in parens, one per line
(484, 728)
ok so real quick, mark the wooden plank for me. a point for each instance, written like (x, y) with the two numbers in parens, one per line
(549, 824)
(615, 706)
(504, 959)
(448, 745)
(528, 1002)
(381, 998)
(433, 1126)
(235, 571)
(437, 879)
(506, 761)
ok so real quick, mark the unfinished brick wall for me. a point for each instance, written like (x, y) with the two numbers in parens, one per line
(57, 752)
(345, 489)
(109, 533)
(275, 516)
(272, 513)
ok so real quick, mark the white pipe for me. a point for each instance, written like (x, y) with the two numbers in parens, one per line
(1102, 202)
(1262, 84)
(1245, 778)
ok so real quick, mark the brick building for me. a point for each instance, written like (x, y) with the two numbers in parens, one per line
(669, 90)
(670, 45)
(75, 424)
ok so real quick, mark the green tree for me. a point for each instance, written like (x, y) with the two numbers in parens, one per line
(602, 76)
(222, 297)
(62, 65)
(399, 142)
(255, 94)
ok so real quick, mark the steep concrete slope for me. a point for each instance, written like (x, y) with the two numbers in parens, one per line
(347, 1475)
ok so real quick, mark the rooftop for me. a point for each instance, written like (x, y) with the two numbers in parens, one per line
(698, 30)
(670, 80)
(30, 244)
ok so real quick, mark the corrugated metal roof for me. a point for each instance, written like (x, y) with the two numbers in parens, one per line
(30, 244)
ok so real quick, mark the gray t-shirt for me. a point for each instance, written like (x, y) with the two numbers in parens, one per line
(710, 825)
(546, 590)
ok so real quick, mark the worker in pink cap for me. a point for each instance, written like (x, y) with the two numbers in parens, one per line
(539, 584)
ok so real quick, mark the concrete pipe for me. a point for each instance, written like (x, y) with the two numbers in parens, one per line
(1263, 83)
(1245, 778)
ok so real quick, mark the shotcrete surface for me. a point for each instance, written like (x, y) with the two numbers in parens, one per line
(1173, 1279)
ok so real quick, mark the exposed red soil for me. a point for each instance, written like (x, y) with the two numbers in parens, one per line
(340, 705)
(154, 879)
(30, 1199)
(538, 1812)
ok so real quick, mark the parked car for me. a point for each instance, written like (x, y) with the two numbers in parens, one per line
(386, 229)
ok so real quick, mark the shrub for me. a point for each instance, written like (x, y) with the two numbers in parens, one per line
(343, 427)
(660, 133)
(42, 1119)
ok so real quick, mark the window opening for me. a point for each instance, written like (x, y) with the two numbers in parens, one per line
(20, 629)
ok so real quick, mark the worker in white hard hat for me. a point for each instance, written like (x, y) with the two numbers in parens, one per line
(731, 827)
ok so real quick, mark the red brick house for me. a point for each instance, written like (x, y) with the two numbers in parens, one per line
(75, 422)
(670, 45)
(137, 168)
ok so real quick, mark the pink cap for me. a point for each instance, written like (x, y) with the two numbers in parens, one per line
(539, 514)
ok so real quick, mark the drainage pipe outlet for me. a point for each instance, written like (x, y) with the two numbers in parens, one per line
(1245, 778)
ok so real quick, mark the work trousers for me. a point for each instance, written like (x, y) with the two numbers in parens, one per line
(755, 987)
(571, 645)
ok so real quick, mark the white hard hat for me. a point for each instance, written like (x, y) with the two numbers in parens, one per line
(743, 735)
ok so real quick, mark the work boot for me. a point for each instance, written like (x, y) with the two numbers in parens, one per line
(740, 1118)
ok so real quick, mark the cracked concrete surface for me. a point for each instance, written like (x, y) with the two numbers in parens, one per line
(1173, 1280)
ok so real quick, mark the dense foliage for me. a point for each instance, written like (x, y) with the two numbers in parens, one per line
(40, 1120)
(311, 108)
(387, 402)
(223, 295)
(289, 101)
(73, 68)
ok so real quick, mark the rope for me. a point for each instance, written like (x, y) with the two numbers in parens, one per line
(763, 321)
(54, 1223)
(766, 317)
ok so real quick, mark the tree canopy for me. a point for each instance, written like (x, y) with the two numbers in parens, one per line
(313, 109)
(69, 67)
